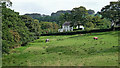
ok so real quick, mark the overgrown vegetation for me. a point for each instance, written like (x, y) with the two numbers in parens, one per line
(18, 30)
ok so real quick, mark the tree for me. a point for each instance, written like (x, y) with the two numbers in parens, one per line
(32, 24)
(55, 27)
(78, 15)
(89, 26)
(7, 2)
(49, 27)
(63, 18)
(14, 31)
(91, 11)
(111, 12)
(104, 24)
(96, 20)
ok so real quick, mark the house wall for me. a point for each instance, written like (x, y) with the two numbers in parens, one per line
(65, 28)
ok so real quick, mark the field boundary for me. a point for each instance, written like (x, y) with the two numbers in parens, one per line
(81, 32)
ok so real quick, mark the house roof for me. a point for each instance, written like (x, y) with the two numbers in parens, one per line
(66, 23)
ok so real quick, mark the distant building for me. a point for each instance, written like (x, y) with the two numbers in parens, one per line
(66, 27)
(80, 27)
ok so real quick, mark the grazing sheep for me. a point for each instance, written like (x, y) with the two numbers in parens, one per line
(47, 40)
(95, 38)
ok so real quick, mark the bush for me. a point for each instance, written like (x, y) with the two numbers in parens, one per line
(14, 30)
(104, 24)
(89, 26)
(5, 46)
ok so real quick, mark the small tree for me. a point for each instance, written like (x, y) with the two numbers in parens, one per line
(78, 15)
(104, 24)
(89, 26)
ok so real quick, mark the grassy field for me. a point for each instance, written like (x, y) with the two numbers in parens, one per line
(67, 50)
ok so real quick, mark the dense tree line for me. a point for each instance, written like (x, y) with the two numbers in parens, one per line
(80, 15)
(18, 29)
(14, 31)
(54, 17)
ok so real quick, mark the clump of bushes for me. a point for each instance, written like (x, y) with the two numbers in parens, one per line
(89, 26)
(18, 30)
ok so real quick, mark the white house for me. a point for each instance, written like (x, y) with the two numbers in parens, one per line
(81, 27)
(66, 27)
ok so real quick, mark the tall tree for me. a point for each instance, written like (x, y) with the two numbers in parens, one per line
(78, 15)
(14, 31)
(112, 12)
(7, 2)
(91, 11)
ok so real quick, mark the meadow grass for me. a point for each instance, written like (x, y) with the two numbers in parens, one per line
(67, 50)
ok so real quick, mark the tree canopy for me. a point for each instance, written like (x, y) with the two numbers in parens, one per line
(112, 12)
(18, 30)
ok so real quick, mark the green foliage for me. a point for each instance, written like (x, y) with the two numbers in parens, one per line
(78, 15)
(67, 50)
(14, 30)
(91, 11)
(54, 17)
(98, 22)
(8, 2)
(89, 26)
(111, 12)
(81, 15)
(19, 30)
(49, 27)
(104, 24)
(5, 46)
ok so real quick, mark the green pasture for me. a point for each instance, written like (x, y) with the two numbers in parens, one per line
(67, 50)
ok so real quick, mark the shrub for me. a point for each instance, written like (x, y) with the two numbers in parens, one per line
(5, 46)
(89, 26)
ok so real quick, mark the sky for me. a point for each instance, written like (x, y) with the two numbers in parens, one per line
(48, 6)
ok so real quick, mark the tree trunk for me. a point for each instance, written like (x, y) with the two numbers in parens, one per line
(113, 26)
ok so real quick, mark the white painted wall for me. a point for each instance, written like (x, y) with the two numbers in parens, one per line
(81, 26)
(65, 28)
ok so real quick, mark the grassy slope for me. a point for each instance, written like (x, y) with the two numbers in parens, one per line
(70, 50)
